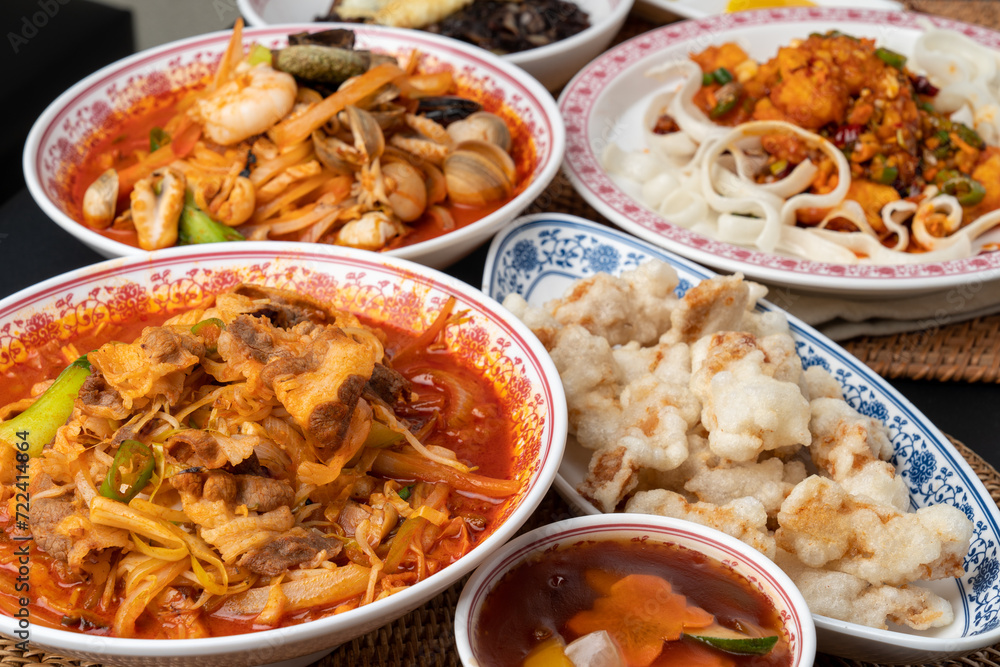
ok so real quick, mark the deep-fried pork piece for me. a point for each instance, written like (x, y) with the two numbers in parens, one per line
(101, 400)
(257, 493)
(289, 550)
(743, 518)
(848, 598)
(155, 365)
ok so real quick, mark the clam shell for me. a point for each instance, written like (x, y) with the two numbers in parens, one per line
(479, 173)
(482, 126)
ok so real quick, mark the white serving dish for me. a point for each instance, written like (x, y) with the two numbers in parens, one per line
(538, 256)
(606, 101)
(699, 9)
(553, 64)
(742, 559)
(75, 114)
(387, 290)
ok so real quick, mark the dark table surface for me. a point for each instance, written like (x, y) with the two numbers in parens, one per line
(33, 248)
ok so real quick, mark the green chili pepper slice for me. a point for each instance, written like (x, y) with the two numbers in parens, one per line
(707, 79)
(37, 425)
(158, 138)
(723, 107)
(924, 105)
(722, 76)
(945, 175)
(259, 54)
(944, 148)
(129, 473)
(778, 167)
(891, 58)
(882, 172)
(969, 136)
(830, 34)
(967, 191)
(212, 321)
(726, 99)
(197, 227)
(837, 33)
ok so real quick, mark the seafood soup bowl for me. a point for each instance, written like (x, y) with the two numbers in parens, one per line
(58, 140)
(386, 291)
(739, 559)
(552, 64)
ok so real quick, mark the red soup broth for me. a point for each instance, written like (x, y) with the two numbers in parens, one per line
(536, 599)
(464, 404)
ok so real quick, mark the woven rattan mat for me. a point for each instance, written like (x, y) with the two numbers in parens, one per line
(426, 638)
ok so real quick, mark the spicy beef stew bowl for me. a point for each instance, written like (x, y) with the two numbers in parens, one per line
(479, 340)
(58, 165)
(552, 64)
(580, 566)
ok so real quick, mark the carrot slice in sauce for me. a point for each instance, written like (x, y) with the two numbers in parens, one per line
(601, 580)
(696, 617)
(182, 144)
(297, 128)
(640, 612)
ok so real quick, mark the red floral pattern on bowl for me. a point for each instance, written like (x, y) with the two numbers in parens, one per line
(60, 137)
(385, 290)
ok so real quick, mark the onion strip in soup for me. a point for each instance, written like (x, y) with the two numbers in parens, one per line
(259, 463)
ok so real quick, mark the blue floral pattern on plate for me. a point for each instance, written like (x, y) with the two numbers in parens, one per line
(538, 255)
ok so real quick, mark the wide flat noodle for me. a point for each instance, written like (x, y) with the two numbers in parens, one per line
(703, 176)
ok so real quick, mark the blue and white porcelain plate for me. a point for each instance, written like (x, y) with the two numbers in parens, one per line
(538, 256)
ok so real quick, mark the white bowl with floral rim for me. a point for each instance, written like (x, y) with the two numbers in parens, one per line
(746, 562)
(553, 64)
(386, 290)
(61, 133)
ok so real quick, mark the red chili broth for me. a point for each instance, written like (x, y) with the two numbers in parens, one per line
(113, 144)
(486, 443)
(536, 599)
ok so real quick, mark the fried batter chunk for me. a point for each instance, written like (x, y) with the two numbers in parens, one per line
(824, 526)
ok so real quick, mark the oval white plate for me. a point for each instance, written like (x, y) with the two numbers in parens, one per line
(538, 256)
(605, 103)
(698, 9)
